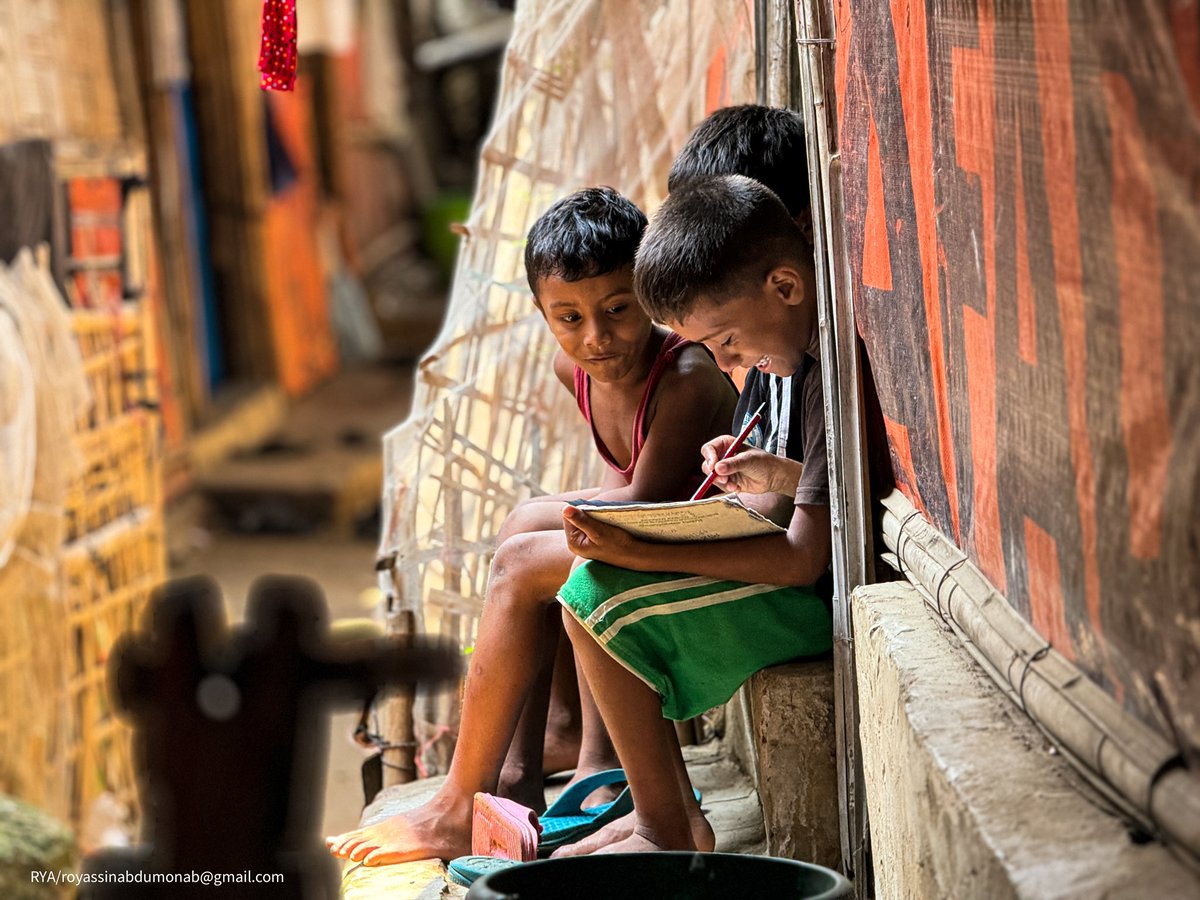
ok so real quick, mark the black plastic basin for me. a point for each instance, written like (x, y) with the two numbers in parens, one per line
(662, 876)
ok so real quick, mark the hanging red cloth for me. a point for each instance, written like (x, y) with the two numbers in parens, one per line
(277, 55)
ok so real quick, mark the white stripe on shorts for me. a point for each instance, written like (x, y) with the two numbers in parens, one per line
(665, 609)
(646, 590)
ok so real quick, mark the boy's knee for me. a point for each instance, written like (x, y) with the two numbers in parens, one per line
(515, 522)
(522, 572)
(530, 516)
(510, 556)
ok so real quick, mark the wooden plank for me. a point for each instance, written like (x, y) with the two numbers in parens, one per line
(844, 420)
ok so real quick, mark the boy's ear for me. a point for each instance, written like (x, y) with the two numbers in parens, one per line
(786, 283)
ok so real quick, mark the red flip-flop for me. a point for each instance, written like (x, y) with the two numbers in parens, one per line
(504, 829)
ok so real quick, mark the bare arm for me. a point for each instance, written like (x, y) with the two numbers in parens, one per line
(693, 403)
(779, 508)
(798, 557)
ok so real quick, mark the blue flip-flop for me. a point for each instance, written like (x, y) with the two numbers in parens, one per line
(567, 820)
(466, 870)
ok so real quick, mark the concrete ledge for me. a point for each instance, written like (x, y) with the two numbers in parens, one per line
(791, 709)
(964, 796)
(240, 423)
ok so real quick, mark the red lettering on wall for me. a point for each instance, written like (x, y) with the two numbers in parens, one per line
(902, 464)
(845, 29)
(1185, 32)
(973, 81)
(1026, 313)
(979, 343)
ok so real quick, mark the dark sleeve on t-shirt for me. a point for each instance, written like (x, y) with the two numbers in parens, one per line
(813, 487)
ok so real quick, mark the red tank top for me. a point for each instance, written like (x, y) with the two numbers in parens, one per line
(671, 346)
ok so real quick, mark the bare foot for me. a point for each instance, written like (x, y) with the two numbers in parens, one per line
(439, 829)
(621, 829)
(643, 840)
(612, 833)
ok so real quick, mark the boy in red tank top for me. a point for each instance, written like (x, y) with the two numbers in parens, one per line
(651, 400)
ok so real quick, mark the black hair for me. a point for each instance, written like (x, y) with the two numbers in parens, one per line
(765, 143)
(713, 238)
(587, 234)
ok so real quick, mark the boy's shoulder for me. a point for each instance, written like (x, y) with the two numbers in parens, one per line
(693, 367)
(691, 357)
(564, 369)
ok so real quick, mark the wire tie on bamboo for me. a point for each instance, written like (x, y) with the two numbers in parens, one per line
(903, 535)
(1039, 654)
(440, 732)
(1168, 765)
(937, 591)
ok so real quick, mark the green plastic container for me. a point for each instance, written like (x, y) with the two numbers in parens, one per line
(662, 876)
(440, 242)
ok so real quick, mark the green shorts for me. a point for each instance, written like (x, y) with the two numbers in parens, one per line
(692, 639)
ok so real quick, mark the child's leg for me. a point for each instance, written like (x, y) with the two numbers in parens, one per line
(633, 713)
(702, 833)
(585, 747)
(526, 571)
(596, 751)
(522, 776)
(539, 514)
(563, 722)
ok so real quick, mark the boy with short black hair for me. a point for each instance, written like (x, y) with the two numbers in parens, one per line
(724, 264)
(651, 400)
(766, 143)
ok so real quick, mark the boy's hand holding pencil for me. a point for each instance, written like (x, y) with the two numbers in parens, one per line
(751, 471)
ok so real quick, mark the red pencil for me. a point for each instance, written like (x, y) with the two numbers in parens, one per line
(733, 448)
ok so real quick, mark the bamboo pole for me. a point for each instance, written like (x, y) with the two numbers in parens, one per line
(852, 544)
(1135, 768)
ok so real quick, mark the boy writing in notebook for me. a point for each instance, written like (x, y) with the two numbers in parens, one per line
(670, 630)
(651, 400)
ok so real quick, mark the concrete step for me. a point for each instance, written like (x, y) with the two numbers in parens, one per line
(792, 722)
(322, 467)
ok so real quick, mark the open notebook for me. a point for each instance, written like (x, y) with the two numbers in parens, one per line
(711, 519)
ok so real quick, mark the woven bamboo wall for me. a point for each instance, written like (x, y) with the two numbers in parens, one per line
(89, 546)
(43, 374)
(56, 77)
(592, 93)
(114, 555)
